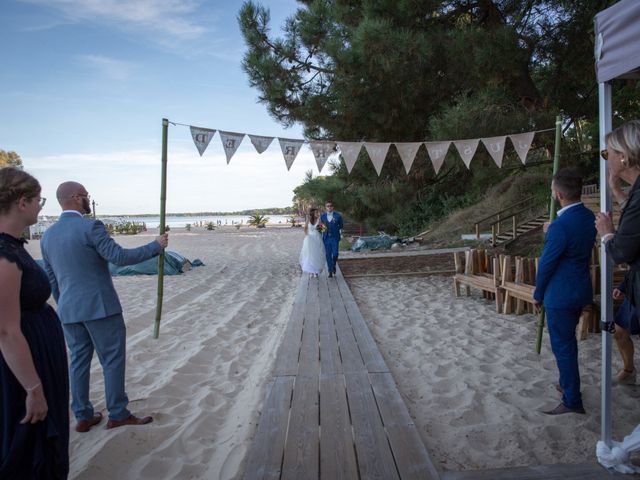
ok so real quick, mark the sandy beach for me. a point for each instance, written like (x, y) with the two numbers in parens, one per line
(470, 377)
(204, 379)
(473, 382)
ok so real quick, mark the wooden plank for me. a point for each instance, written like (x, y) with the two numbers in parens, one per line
(411, 456)
(586, 471)
(375, 459)
(303, 439)
(369, 350)
(289, 350)
(337, 451)
(264, 460)
(349, 352)
(330, 362)
(309, 362)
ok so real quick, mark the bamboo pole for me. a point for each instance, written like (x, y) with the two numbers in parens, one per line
(552, 216)
(163, 204)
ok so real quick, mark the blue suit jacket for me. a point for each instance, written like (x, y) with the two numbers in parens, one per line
(76, 253)
(563, 279)
(333, 228)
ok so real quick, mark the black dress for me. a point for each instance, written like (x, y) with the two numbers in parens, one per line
(41, 450)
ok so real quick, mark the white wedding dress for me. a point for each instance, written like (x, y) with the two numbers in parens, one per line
(312, 256)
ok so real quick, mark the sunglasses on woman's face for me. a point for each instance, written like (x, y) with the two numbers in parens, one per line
(604, 154)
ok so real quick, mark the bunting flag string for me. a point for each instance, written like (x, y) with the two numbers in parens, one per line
(437, 153)
(230, 142)
(323, 149)
(408, 152)
(290, 149)
(202, 137)
(495, 147)
(377, 153)
(321, 152)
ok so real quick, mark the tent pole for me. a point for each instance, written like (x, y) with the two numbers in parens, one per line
(606, 269)
(163, 204)
(552, 216)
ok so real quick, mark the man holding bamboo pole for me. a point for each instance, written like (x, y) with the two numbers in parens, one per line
(563, 282)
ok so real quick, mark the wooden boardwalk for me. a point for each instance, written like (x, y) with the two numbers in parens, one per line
(332, 410)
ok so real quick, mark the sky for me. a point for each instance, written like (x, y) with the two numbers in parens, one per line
(84, 85)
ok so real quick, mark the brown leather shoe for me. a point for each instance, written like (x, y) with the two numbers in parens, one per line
(84, 426)
(131, 420)
(561, 409)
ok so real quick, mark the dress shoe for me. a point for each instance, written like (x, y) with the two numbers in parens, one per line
(131, 420)
(84, 426)
(625, 377)
(330, 274)
(561, 409)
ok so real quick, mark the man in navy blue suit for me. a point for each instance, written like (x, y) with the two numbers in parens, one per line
(331, 236)
(563, 282)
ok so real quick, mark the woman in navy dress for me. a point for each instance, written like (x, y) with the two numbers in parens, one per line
(34, 383)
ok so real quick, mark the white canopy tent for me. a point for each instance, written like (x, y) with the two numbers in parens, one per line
(617, 52)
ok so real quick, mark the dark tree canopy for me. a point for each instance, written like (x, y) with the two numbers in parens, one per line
(416, 70)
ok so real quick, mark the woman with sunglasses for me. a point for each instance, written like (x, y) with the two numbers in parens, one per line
(623, 244)
(34, 382)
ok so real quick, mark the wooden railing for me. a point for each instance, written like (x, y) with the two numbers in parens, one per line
(495, 226)
(501, 216)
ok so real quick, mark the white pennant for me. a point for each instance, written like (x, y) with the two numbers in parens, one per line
(408, 153)
(290, 149)
(230, 142)
(466, 149)
(322, 151)
(261, 143)
(495, 147)
(437, 153)
(377, 153)
(350, 152)
(522, 143)
(201, 137)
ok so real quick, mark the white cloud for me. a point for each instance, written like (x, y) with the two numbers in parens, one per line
(178, 18)
(109, 67)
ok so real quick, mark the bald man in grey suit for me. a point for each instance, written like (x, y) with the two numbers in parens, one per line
(76, 253)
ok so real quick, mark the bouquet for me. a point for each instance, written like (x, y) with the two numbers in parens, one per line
(321, 227)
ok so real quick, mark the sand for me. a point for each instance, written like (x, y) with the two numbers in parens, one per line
(469, 376)
(473, 382)
(205, 378)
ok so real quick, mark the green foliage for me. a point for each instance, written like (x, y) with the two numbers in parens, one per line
(187, 227)
(10, 159)
(210, 226)
(389, 71)
(124, 228)
(257, 220)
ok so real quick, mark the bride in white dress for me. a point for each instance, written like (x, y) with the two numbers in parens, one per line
(312, 256)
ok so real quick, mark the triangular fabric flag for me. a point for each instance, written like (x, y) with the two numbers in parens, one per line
(408, 153)
(437, 153)
(322, 151)
(377, 153)
(522, 143)
(261, 143)
(350, 152)
(201, 137)
(466, 149)
(290, 149)
(495, 147)
(230, 142)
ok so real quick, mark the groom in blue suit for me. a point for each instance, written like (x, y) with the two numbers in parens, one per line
(331, 237)
(563, 282)
(76, 253)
